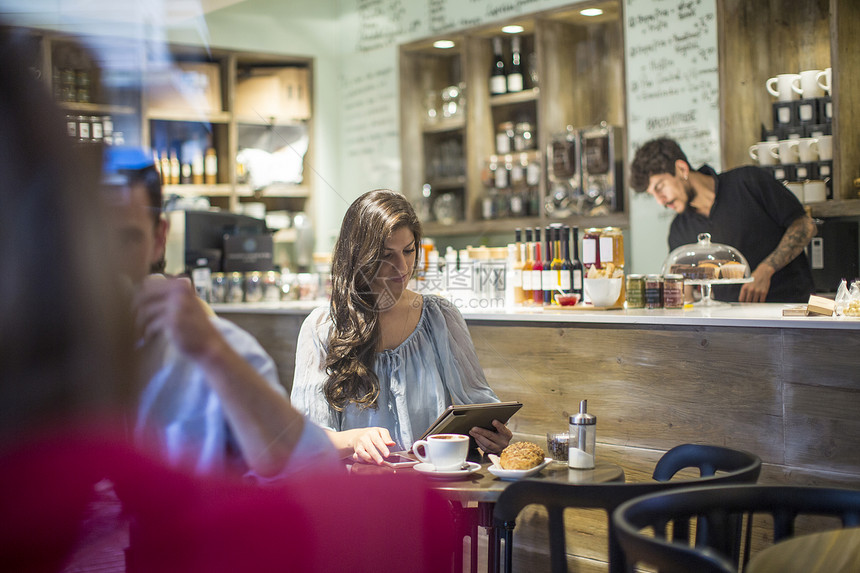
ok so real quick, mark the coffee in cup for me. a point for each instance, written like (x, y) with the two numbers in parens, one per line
(445, 452)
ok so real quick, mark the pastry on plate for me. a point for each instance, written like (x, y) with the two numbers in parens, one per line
(521, 456)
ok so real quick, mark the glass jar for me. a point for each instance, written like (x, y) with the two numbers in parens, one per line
(83, 129)
(635, 291)
(523, 137)
(272, 287)
(582, 439)
(613, 239)
(505, 137)
(254, 286)
(234, 288)
(219, 288)
(96, 130)
(653, 291)
(673, 291)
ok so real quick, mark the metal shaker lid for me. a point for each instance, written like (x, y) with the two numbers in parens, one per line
(583, 418)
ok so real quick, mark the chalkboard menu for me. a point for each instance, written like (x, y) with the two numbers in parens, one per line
(672, 79)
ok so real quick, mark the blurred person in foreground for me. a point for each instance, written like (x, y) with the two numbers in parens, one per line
(67, 367)
(745, 208)
(381, 363)
(212, 400)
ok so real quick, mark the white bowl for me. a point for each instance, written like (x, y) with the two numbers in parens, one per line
(603, 292)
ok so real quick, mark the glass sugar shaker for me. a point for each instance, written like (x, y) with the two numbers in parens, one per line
(583, 438)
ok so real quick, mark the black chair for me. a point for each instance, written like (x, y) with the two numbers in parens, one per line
(714, 509)
(737, 467)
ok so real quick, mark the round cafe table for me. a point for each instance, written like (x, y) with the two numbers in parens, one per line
(473, 497)
(836, 551)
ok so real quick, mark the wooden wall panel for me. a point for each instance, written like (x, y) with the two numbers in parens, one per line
(277, 334)
(846, 103)
(702, 393)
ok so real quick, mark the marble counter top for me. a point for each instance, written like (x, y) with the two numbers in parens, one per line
(761, 315)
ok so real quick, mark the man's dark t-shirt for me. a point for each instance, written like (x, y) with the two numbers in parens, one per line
(751, 212)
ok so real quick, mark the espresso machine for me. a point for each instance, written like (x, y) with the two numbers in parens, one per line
(602, 169)
(564, 172)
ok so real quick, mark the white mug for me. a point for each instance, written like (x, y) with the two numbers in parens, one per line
(814, 191)
(761, 152)
(445, 452)
(825, 147)
(783, 90)
(786, 151)
(796, 187)
(826, 75)
(806, 84)
(807, 149)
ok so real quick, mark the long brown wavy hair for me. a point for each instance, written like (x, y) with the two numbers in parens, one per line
(358, 252)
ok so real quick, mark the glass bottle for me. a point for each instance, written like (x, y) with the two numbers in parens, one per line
(515, 74)
(583, 439)
(498, 80)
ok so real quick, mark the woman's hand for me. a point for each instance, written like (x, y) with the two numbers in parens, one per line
(371, 445)
(492, 442)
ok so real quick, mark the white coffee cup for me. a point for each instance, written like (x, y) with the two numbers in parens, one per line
(786, 152)
(806, 84)
(807, 149)
(783, 90)
(827, 77)
(814, 191)
(444, 451)
(761, 152)
(825, 147)
(796, 187)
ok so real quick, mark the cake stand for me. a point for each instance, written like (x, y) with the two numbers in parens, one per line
(706, 285)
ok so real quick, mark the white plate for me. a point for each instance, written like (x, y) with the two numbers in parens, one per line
(430, 470)
(517, 474)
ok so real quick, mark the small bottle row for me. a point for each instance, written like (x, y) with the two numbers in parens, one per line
(93, 129)
(194, 168)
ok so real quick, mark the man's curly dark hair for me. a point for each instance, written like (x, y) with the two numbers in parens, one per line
(653, 158)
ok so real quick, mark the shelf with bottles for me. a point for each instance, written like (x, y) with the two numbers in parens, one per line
(187, 156)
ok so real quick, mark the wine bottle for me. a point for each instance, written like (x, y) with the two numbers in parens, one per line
(528, 265)
(498, 81)
(519, 261)
(515, 74)
(566, 272)
(537, 271)
(576, 267)
(547, 276)
(557, 264)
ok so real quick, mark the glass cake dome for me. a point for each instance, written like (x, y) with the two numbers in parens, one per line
(706, 262)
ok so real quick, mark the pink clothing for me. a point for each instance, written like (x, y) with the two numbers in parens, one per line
(184, 523)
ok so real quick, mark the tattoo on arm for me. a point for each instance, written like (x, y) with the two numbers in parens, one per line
(795, 239)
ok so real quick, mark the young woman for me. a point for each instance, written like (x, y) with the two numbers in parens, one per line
(380, 365)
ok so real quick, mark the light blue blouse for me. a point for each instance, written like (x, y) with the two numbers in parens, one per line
(436, 366)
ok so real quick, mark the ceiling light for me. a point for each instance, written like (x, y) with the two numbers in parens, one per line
(591, 12)
(514, 29)
(443, 44)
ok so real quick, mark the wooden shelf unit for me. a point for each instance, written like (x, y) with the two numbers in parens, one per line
(577, 91)
(761, 39)
(131, 107)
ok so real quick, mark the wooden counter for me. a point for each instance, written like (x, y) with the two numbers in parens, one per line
(787, 389)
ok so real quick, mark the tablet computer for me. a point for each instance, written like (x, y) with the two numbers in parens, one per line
(459, 419)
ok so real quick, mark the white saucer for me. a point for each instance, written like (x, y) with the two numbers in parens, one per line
(517, 474)
(430, 470)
